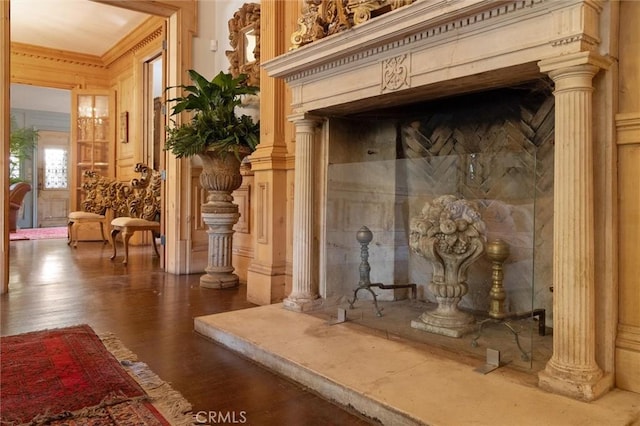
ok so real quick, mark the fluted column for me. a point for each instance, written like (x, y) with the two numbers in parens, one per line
(219, 270)
(304, 294)
(572, 369)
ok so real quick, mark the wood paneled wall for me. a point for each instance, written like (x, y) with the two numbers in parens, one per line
(126, 79)
(628, 139)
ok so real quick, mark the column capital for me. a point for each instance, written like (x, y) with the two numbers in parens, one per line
(558, 63)
(304, 117)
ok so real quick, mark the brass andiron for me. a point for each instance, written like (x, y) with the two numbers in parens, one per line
(364, 237)
(497, 252)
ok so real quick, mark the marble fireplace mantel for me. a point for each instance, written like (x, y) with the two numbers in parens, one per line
(432, 49)
(436, 48)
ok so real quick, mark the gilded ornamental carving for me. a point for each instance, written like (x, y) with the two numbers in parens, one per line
(322, 18)
(244, 38)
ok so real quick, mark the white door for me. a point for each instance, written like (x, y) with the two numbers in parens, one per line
(53, 179)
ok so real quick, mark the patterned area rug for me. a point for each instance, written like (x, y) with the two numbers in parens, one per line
(39, 233)
(71, 376)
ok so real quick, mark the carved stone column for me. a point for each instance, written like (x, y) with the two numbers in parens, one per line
(304, 295)
(572, 370)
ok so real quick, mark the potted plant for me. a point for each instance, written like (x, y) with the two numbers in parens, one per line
(215, 129)
(22, 142)
(221, 138)
(215, 125)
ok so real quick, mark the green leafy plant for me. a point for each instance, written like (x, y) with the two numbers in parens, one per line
(22, 142)
(215, 125)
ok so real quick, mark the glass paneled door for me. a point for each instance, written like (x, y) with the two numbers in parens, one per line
(53, 178)
(93, 133)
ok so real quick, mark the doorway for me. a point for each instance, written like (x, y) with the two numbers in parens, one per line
(46, 110)
(154, 120)
(181, 26)
(52, 189)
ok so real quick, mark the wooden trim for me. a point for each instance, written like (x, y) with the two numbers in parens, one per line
(5, 126)
(628, 128)
(146, 33)
(164, 8)
(242, 197)
(628, 337)
(55, 55)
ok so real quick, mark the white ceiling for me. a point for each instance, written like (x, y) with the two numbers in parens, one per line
(81, 26)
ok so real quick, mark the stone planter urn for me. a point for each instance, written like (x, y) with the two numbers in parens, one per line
(450, 233)
(220, 176)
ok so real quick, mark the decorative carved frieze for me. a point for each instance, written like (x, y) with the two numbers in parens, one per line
(312, 27)
(395, 73)
(159, 32)
(44, 54)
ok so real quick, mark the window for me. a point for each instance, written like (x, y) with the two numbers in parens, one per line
(56, 168)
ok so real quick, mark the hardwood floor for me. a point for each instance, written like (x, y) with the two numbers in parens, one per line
(151, 312)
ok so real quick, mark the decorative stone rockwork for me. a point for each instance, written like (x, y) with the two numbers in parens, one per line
(450, 233)
(220, 177)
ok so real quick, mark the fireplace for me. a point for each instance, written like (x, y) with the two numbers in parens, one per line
(454, 98)
(493, 149)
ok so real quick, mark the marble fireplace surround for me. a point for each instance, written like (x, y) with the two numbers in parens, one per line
(433, 49)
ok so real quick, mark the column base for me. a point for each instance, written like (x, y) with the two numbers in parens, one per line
(301, 304)
(219, 280)
(584, 386)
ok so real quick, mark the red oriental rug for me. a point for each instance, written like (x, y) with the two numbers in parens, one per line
(69, 376)
(58, 232)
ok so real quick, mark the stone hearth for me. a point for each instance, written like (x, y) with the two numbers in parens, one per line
(400, 382)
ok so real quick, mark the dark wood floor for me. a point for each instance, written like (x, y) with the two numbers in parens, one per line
(151, 312)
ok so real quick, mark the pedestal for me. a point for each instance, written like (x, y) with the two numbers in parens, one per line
(220, 176)
(219, 271)
(446, 319)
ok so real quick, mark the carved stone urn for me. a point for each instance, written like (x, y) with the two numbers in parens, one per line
(220, 176)
(450, 233)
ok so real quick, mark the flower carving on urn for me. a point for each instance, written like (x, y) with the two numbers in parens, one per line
(450, 233)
